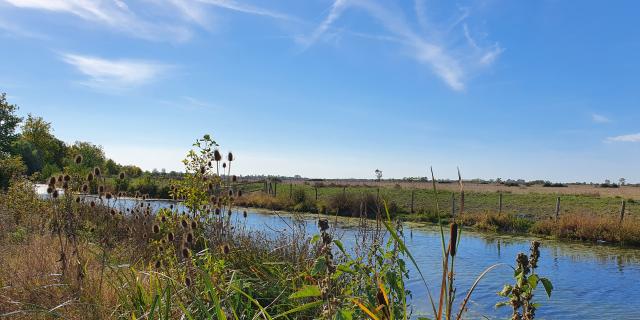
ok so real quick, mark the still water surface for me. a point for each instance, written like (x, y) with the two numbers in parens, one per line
(590, 281)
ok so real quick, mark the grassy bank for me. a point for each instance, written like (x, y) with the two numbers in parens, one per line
(581, 217)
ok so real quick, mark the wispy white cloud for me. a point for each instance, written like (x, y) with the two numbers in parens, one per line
(625, 138)
(247, 8)
(115, 14)
(445, 62)
(598, 118)
(115, 74)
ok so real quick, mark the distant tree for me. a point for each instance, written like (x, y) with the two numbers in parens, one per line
(92, 155)
(39, 133)
(111, 167)
(10, 166)
(607, 181)
(32, 157)
(9, 122)
(622, 181)
(378, 173)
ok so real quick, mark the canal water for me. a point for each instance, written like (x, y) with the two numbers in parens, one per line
(590, 281)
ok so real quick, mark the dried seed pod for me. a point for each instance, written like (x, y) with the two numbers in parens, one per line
(186, 253)
(194, 225)
(55, 193)
(184, 223)
(189, 238)
(78, 159)
(226, 249)
(77, 199)
(230, 157)
(52, 181)
(85, 188)
(170, 237)
(244, 213)
(187, 281)
(121, 175)
(97, 172)
(93, 204)
(108, 195)
(50, 190)
(156, 228)
(453, 239)
(66, 177)
(90, 176)
(216, 155)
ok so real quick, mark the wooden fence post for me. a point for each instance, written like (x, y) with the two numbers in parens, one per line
(316, 188)
(624, 203)
(413, 192)
(453, 204)
(557, 208)
(500, 203)
(290, 190)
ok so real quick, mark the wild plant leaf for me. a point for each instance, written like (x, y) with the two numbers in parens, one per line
(502, 304)
(300, 308)
(548, 287)
(344, 314)
(305, 292)
(533, 281)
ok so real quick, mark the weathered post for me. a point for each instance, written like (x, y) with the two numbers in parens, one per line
(275, 188)
(557, 208)
(624, 203)
(316, 188)
(290, 190)
(413, 192)
(500, 202)
(453, 204)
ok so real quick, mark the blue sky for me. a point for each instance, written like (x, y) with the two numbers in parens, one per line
(322, 88)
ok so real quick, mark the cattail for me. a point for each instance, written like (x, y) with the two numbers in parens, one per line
(156, 228)
(226, 249)
(186, 253)
(49, 190)
(66, 177)
(121, 175)
(453, 239)
(170, 236)
(85, 188)
(78, 159)
(189, 238)
(97, 172)
(52, 181)
(55, 193)
(90, 176)
(216, 155)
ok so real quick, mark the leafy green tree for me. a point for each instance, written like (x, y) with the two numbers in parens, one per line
(32, 157)
(111, 167)
(39, 133)
(8, 123)
(10, 167)
(92, 155)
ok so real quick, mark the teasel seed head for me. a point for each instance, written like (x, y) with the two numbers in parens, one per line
(210, 186)
(50, 189)
(184, 223)
(52, 181)
(203, 170)
(240, 193)
(55, 193)
(100, 189)
(170, 236)
(224, 165)
(230, 157)
(158, 264)
(108, 195)
(187, 281)
(65, 185)
(210, 164)
(113, 212)
(218, 211)
(90, 176)
(217, 156)
(453, 239)
(85, 188)
(78, 159)
(60, 178)
(186, 253)
(121, 175)
(194, 225)
(163, 219)
(226, 249)
(156, 228)
(97, 172)
(244, 213)
(92, 204)
(66, 177)
(234, 178)
(189, 238)
(77, 199)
